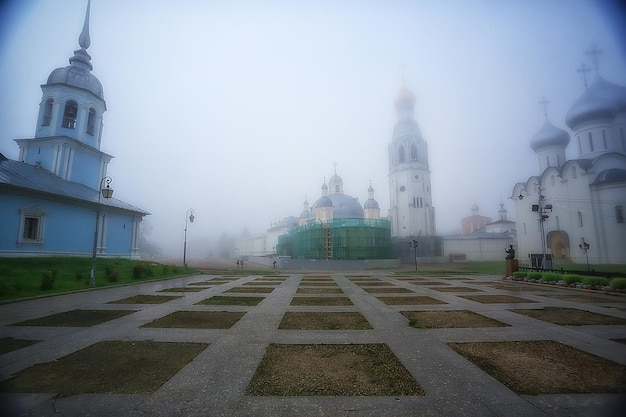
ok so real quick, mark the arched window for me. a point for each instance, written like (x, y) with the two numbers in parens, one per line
(590, 142)
(401, 154)
(413, 152)
(580, 219)
(47, 113)
(69, 115)
(604, 140)
(580, 146)
(619, 213)
(91, 121)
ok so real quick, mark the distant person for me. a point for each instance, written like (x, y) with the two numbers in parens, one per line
(237, 263)
(510, 252)
(274, 264)
(241, 264)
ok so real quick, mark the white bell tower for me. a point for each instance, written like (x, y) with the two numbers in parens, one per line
(411, 211)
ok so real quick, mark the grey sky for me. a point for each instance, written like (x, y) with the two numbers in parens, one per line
(239, 109)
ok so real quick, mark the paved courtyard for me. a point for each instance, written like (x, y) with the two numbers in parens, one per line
(216, 381)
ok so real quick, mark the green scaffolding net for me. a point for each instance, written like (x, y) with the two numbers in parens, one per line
(338, 239)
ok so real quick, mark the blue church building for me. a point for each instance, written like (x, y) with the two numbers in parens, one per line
(56, 199)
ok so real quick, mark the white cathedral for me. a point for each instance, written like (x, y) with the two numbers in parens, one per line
(573, 210)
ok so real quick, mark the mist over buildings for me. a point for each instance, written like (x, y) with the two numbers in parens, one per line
(240, 110)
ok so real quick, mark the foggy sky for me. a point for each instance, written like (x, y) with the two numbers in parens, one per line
(238, 109)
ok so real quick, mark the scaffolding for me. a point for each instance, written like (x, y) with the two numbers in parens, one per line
(339, 239)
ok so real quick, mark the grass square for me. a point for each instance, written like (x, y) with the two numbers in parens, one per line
(332, 370)
(319, 290)
(9, 344)
(220, 300)
(496, 299)
(545, 367)
(138, 367)
(449, 319)
(588, 298)
(321, 301)
(296, 320)
(456, 289)
(410, 300)
(198, 320)
(569, 316)
(146, 299)
(388, 290)
(258, 290)
(76, 318)
(182, 289)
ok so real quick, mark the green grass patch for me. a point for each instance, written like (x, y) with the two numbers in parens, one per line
(31, 277)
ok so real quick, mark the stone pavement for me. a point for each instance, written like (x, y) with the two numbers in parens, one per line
(215, 382)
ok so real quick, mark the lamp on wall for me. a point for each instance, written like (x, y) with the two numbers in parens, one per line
(106, 192)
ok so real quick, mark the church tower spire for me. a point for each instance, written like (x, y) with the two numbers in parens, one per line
(411, 212)
(70, 122)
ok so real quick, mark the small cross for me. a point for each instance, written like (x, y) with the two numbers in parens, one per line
(544, 103)
(583, 69)
(335, 164)
(594, 52)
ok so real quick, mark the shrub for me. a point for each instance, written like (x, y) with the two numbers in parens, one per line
(110, 273)
(47, 280)
(535, 275)
(551, 277)
(572, 278)
(618, 283)
(142, 270)
(519, 274)
(596, 281)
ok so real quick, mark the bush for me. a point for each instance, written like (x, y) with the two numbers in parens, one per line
(519, 274)
(142, 270)
(551, 277)
(47, 280)
(535, 275)
(596, 281)
(572, 278)
(618, 283)
(110, 273)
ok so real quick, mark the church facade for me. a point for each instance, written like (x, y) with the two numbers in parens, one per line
(50, 198)
(573, 210)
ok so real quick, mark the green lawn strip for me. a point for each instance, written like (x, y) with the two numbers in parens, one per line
(23, 277)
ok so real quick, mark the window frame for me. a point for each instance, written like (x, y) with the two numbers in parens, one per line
(28, 214)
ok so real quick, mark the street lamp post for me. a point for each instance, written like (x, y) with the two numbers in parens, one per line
(541, 208)
(188, 215)
(106, 192)
(584, 246)
(413, 244)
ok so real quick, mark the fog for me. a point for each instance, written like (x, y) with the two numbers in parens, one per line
(240, 109)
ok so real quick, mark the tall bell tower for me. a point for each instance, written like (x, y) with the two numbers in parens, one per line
(411, 211)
